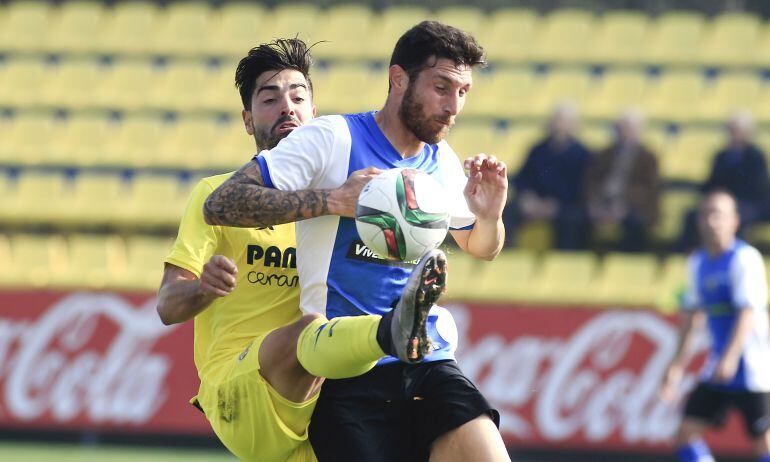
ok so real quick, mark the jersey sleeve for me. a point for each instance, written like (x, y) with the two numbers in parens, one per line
(455, 180)
(691, 299)
(301, 158)
(196, 241)
(747, 277)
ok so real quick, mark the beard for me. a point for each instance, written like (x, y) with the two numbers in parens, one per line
(426, 129)
(269, 138)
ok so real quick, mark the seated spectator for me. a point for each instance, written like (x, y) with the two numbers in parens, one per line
(623, 186)
(548, 186)
(739, 168)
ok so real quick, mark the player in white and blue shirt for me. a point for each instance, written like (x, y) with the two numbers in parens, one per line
(727, 289)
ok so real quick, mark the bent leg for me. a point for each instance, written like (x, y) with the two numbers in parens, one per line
(477, 440)
(689, 441)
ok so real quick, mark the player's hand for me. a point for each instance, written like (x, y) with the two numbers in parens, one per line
(726, 369)
(218, 277)
(343, 200)
(487, 188)
(669, 388)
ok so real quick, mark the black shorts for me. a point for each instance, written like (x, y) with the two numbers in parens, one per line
(710, 404)
(393, 412)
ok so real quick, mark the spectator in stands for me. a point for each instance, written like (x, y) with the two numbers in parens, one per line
(622, 185)
(741, 169)
(548, 186)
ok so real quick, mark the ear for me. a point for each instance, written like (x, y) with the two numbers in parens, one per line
(314, 111)
(398, 78)
(247, 122)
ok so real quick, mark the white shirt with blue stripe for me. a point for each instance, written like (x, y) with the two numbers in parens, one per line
(722, 286)
(338, 275)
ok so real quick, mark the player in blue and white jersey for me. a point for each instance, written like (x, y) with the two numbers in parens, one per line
(398, 411)
(727, 290)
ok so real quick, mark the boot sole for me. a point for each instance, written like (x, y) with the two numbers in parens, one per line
(432, 284)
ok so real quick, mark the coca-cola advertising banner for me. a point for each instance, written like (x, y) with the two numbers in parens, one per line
(578, 379)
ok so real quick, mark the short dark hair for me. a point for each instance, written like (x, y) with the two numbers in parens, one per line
(434, 39)
(275, 56)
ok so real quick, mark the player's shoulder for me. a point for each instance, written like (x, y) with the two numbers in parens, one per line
(214, 181)
(747, 254)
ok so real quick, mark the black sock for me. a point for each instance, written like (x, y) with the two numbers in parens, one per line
(383, 334)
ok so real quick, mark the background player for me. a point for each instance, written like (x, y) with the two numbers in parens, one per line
(727, 290)
(241, 287)
(396, 410)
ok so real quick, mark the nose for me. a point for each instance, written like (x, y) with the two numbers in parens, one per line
(288, 107)
(453, 104)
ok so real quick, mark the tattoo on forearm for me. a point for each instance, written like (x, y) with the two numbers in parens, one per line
(244, 201)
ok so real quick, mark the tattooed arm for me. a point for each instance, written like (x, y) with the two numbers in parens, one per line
(244, 200)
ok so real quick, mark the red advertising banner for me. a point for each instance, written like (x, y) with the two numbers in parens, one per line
(561, 378)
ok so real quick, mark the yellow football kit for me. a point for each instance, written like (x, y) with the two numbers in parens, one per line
(251, 419)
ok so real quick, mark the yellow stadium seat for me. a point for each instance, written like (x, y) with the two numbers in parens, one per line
(38, 198)
(563, 35)
(97, 199)
(94, 261)
(387, 27)
(178, 84)
(629, 280)
(619, 37)
(690, 155)
(144, 268)
(82, 142)
(127, 86)
(761, 106)
(761, 51)
(469, 139)
(485, 100)
(517, 144)
(596, 136)
(737, 90)
(294, 20)
(190, 144)
(39, 261)
(135, 142)
(72, 85)
(465, 273)
(566, 277)
(21, 80)
(235, 147)
(74, 25)
(155, 201)
(236, 29)
(221, 95)
(182, 29)
(731, 40)
(614, 92)
(674, 96)
(673, 207)
(672, 282)
(508, 278)
(129, 29)
(674, 39)
(6, 269)
(28, 139)
(25, 26)
(507, 35)
(464, 17)
(338, 90)
(566, 84)
(343, 27)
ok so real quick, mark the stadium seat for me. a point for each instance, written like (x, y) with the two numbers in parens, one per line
(689, 156)
(628, 280)
(761, 51)
(338, 89)
(618, 38)
(566, 278)
(39, 261)
(559, 85)
(508, 278)
(731, 91)
(221, 96)
(27, 139)
(342, 27)
(25, 26)
(617, 90)
(21, 80)
(466, 272)
(182, 28)
(673, 207)
(563, 35)
(74, 25)
(129, 29)
(485, 100)
(674, 39)
(94, 261)
(518, 142)
(761, 106)
(730, 40)
(596, 136)
(97, 199)
(178, 85)
(672, 283)
(72, 85)
(236, 29)
(469, 139)
(145, 255)
(508, 34)
(155, 201)
(234, 148)
(190, 144)
(135, 142)
(673, 97)
(293, 20)
(7, 269)
(81, 142)
(127, 85)
(465, 17)
(387, 27)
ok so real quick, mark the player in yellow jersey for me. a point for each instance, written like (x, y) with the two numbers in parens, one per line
(241, 287)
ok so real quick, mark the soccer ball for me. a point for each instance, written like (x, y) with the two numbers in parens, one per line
(402, 213)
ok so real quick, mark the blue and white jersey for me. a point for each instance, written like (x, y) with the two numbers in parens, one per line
(722, 286)
(338, 274)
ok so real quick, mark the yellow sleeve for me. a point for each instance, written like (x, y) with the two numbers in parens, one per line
(196, 241)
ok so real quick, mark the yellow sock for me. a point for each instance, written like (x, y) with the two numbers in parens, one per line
(341, 347)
